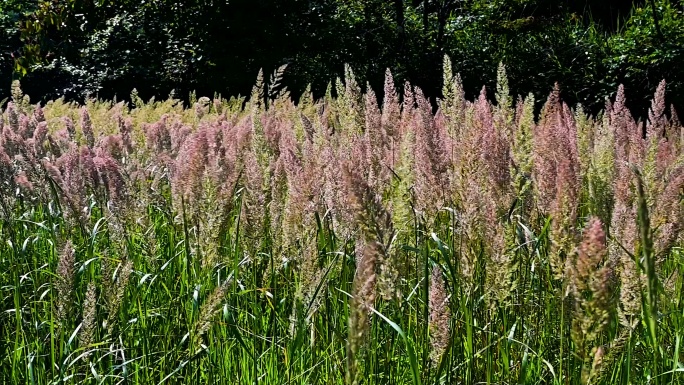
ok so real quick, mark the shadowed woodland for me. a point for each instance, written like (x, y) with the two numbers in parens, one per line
(106, 48)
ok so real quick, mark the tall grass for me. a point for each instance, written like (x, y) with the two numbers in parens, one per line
(341, 240)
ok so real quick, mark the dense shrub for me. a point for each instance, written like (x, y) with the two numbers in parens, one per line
(646, 51)
(106, 48)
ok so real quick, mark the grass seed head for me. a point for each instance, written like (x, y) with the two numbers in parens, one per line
(439, 316)
(66, 271)
(86, 335)
(87, 128)
(590, 277)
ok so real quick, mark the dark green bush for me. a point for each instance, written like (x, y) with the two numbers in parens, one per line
(76, 48)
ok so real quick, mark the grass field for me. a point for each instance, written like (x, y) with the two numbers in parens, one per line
(346, 240)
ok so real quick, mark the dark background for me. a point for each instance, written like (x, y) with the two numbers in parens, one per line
(105, 48)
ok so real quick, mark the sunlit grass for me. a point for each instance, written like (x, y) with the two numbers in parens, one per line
(164, 290)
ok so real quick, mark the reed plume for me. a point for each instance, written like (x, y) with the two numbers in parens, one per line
(439, 316)
(590, 279)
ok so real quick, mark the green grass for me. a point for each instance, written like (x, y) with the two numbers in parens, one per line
(250, 340)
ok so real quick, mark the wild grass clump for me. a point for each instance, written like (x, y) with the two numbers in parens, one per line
(341, 240)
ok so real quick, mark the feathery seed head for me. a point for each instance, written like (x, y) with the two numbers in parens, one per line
(657, 121)
(439, 315)
(70, 128)
(38, 114)
(39, 136)
(87, 332)
(590, 279)
(66, 271)
(391, 110)
(87, 128)
(13, 116)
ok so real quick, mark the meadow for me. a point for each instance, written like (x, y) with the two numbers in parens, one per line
(345, 240)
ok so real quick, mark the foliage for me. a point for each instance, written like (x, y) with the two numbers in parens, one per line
(78, 48)
(646, 51)
(11, 12)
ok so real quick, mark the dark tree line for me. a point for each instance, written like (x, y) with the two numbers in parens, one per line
(105, 48)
